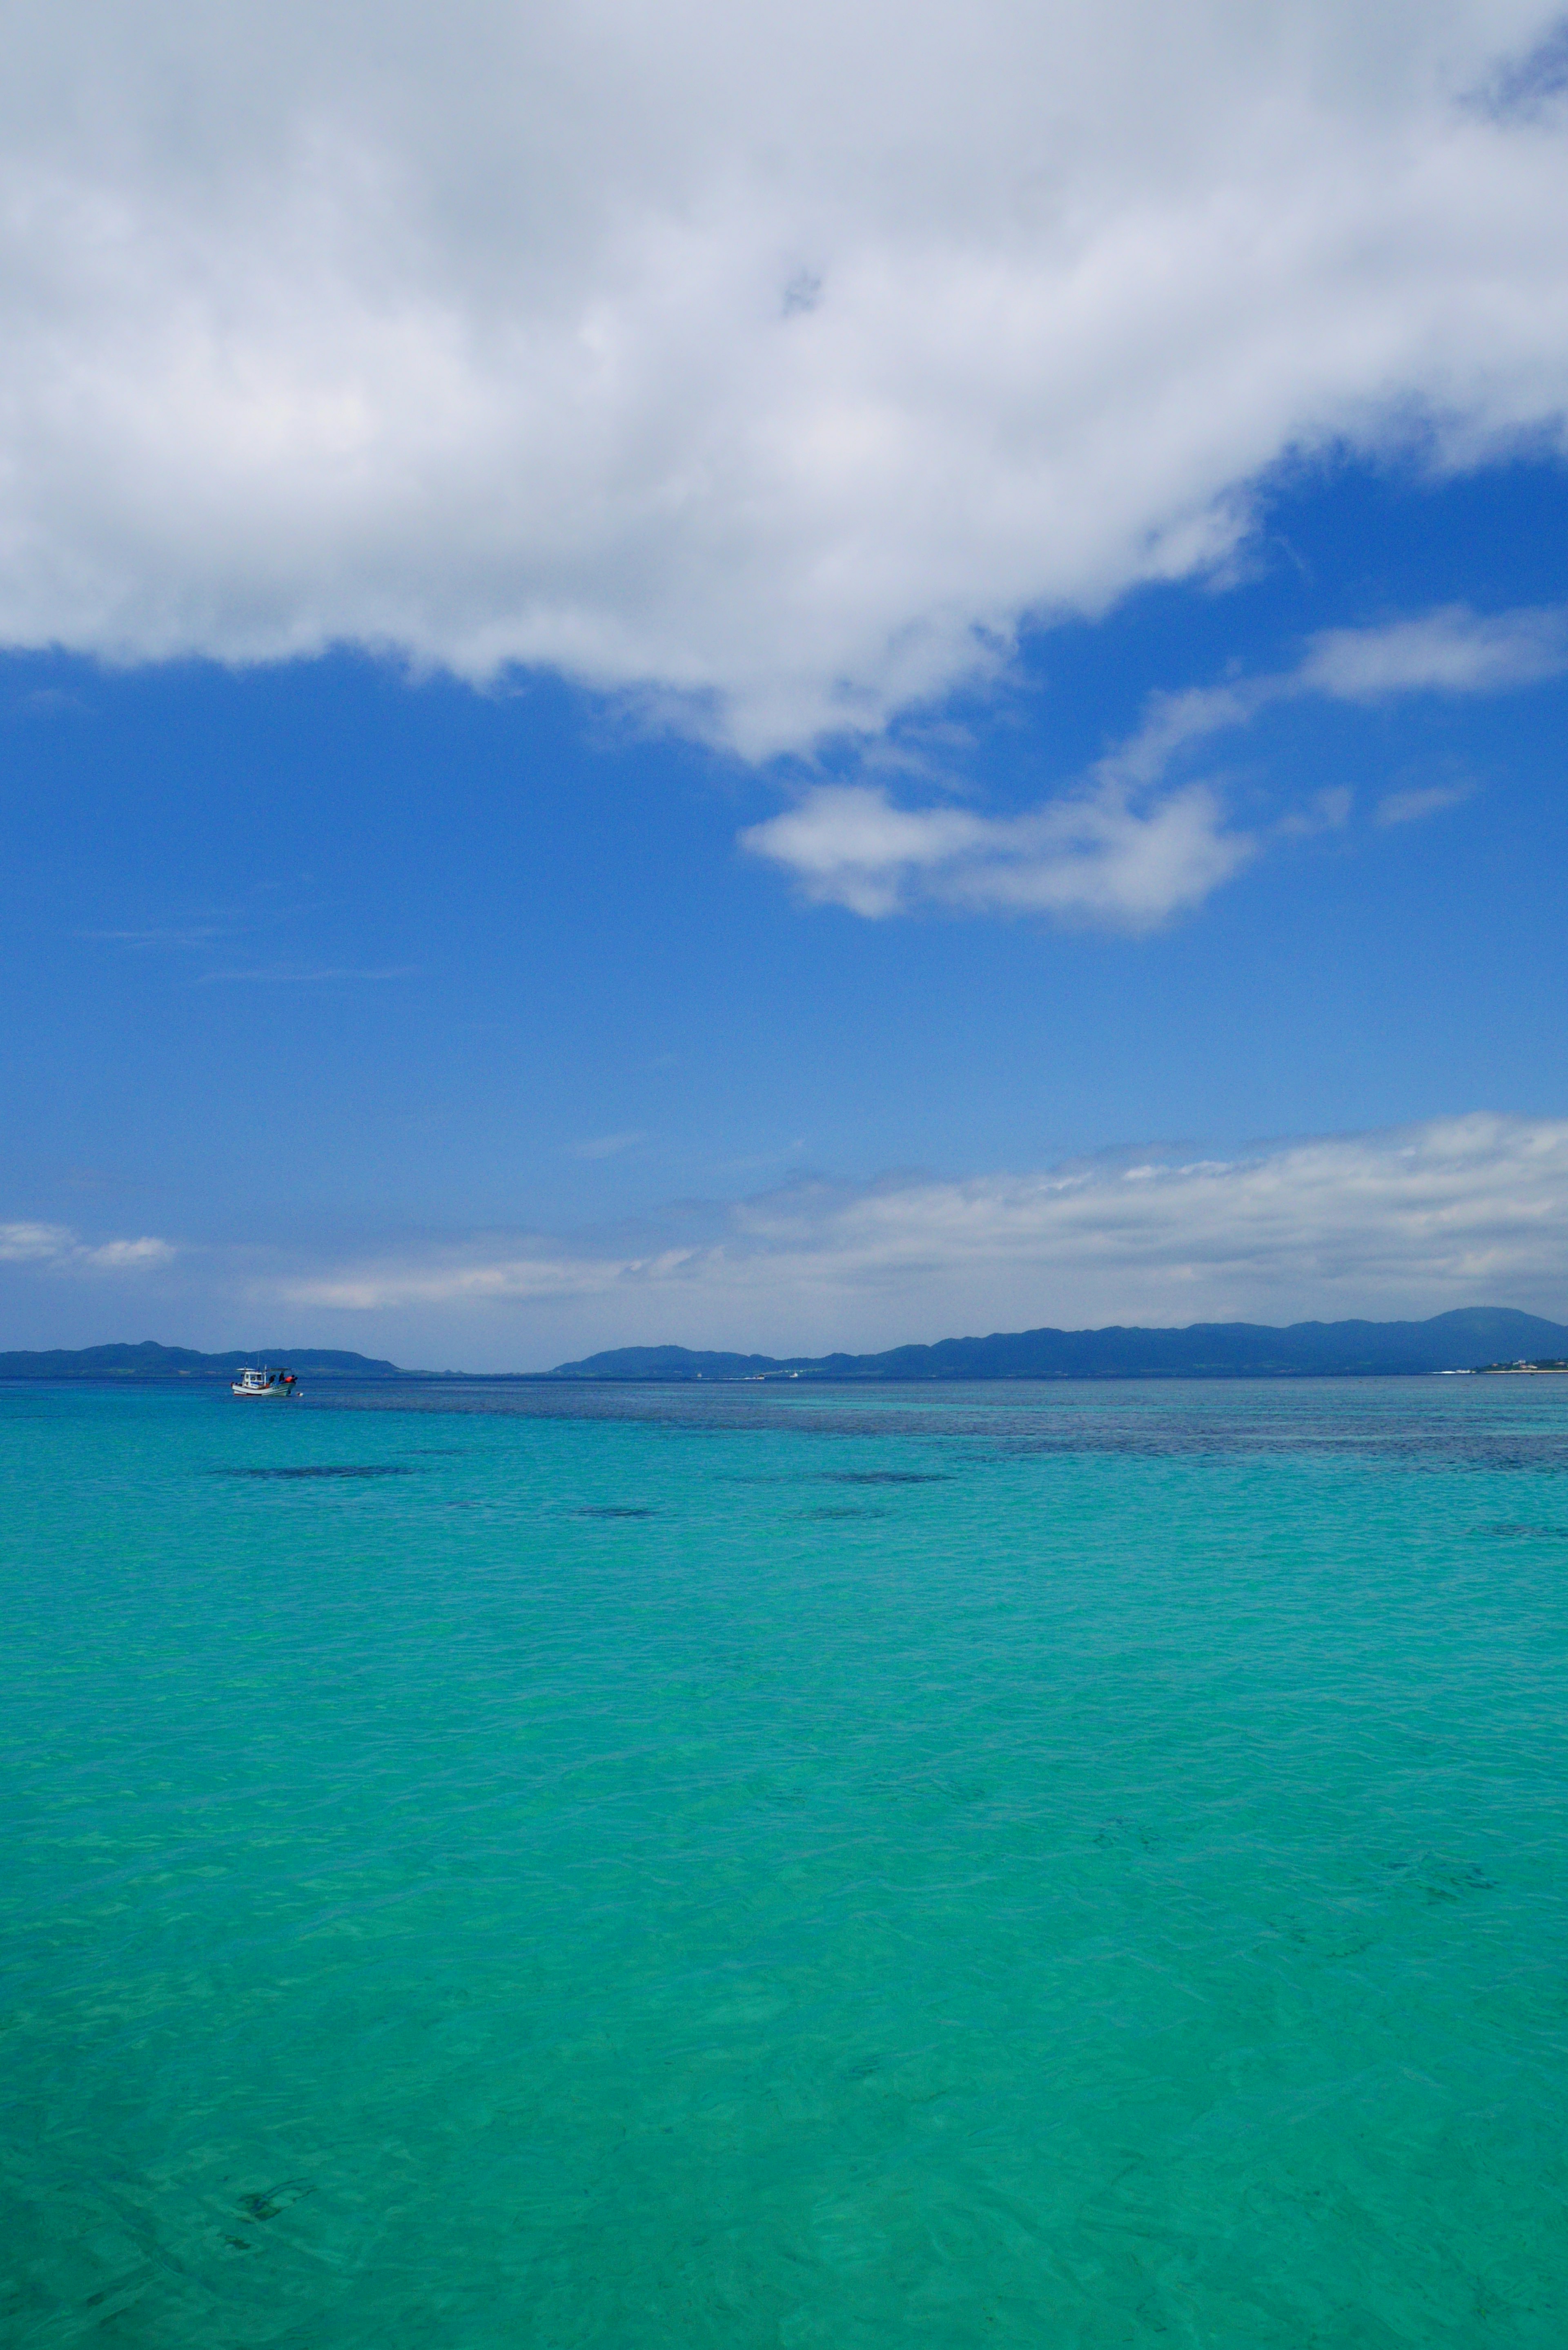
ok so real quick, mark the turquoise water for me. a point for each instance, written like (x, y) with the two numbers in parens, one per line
(1064, 1866)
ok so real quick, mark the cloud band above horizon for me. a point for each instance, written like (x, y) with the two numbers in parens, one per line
(1460, 1212)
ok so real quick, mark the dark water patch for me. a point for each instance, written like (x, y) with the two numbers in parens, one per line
(1506, 1530)
(1439, 1879)
(327, 1469)
(1122, 1835)
(1403, 1424)
(848, 1510)
(886, 1476)
(1419, 1448)
(613, 1510)
(268, 2201)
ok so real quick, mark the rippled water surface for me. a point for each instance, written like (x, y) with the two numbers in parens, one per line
(1053, 1864)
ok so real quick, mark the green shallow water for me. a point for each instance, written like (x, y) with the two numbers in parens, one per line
(1065, 1866)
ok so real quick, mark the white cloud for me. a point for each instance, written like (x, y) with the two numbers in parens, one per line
(1524, 84)
(608, 1146)
(1093, 858)
(1454, 650)
(143, 1255)
(1460, 1212)
(285, 975)
(33, 1243)
(769, 361)
(56, 1248)
(1326, 811)
(1409, 808)
(195, 935)
(1119, 851)
(1451, 650)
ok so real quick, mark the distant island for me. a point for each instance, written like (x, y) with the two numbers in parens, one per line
(1459, 1341)
(151, 1361)
(1487, 1339)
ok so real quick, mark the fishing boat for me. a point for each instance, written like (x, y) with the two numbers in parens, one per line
(264, 1383)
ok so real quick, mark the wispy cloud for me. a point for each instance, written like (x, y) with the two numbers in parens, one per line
(1409, 808)
(234, 933)
(1452, 651)
(1526, 85)
(608, 1146)
(1125, 850)
(290, 975)
(1462, 1210)
(1326, 811)
(34, 1243)
(58, 1248)
(126, 1256)
(188, 936)
(1097, 859)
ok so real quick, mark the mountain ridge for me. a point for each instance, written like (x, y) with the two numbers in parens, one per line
(150, 1361)
(1462, 1339)
(1458, 1340)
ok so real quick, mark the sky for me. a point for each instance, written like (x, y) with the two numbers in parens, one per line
(781, 680)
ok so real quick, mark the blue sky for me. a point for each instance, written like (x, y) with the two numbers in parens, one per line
(1091, 873)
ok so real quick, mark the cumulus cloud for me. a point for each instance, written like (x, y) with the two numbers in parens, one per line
(56, 1248)
(1459, 1211)
(770, 363)
(1122, 852)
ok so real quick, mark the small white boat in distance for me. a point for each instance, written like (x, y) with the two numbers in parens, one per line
(264, 1383)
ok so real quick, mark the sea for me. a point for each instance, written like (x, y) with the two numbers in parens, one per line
(645, 1868)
